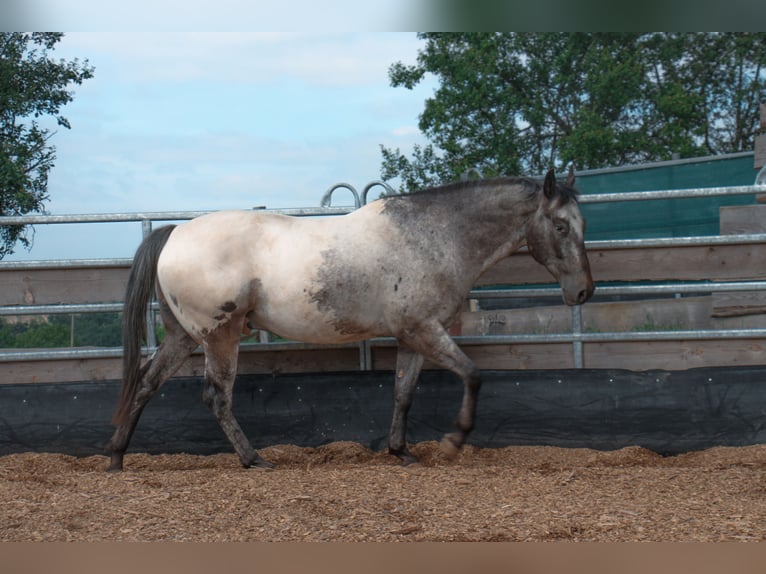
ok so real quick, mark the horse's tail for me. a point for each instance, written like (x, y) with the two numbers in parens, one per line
(141, 281)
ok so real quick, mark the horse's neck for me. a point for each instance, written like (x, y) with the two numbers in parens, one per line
(494, 224)
(482, 224)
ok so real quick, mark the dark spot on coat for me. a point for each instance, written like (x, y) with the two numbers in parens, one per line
(228, 307)
(220, 317)
(338, 277)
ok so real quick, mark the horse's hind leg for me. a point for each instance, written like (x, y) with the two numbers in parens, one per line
(408, 365)
(221, 352)
(174, 350)
(434, 343)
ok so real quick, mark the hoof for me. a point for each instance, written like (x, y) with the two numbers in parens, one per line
(405, 456)
(450, 445)
(260, 463)
(409, 459)
(116, 463)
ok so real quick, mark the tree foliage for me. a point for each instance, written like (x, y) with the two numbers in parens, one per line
(512, 103)
(32, 85)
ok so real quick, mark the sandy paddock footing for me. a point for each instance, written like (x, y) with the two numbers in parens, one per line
(345, 492)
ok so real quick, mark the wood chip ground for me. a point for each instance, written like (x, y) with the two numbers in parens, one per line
(345, 492)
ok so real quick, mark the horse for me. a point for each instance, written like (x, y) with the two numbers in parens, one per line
(400, 266)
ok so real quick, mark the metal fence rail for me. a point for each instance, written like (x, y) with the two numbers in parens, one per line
(576, 337)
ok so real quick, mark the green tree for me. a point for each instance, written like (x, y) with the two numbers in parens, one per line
(41, 334)
(32, 85)
(511, 103)
(90, 330)
(97, 329)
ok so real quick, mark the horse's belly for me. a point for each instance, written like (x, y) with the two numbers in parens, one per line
(301, 319)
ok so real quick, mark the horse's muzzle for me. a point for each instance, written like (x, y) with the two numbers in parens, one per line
(584, 295)
(577, 292)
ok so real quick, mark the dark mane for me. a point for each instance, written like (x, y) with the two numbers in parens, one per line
(531, 186)
(566, 193)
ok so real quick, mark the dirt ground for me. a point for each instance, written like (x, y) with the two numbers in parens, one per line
(345, 492)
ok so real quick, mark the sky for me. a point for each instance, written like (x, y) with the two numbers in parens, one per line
(176, 121)
(277, 102)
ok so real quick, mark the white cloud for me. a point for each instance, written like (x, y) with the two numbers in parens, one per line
(406, 131)
(319, 59)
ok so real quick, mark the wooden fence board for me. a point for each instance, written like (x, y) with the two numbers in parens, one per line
(620, 316)
(55, 286)
(740, 219)
(674, 355)
(692, 263)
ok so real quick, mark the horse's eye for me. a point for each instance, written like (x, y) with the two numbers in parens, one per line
(561, 227)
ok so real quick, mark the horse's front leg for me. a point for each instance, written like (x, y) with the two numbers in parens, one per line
(466, 419)
(408, 365)
(434, 343)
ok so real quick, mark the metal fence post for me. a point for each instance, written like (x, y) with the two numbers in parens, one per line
(365, 356)
(577, 332)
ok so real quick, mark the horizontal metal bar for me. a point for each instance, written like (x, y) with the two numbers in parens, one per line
(477, 340)
(110, 352)
(550, 338)
(673, 335)
(514, 293)
(65, 264)
(672, 194)
(54, 354)
(611, 337)
(693, 241)
(158, 216)
(664, 289)
(682, 288)
(63, 309)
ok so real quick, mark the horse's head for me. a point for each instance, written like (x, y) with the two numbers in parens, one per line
(555, 238)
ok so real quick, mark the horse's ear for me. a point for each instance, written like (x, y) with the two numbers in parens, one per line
(571, 176)
(549, 185)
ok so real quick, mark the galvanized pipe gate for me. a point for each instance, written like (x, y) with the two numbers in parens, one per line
(577, 337)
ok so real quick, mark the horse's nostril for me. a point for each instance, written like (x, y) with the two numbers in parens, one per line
(582, 296)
